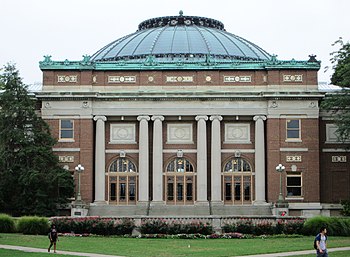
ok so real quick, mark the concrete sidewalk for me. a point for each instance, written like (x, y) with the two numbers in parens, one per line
(39, 250)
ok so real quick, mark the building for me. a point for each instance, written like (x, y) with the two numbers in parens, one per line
(184, 118)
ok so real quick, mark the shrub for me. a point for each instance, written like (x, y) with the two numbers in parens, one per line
(263, 228)
(7, 224)
(245, 226)
(94, 225)
(156, 226)
(33, 225)
(346, 207)
(229, 228)
(336, 226)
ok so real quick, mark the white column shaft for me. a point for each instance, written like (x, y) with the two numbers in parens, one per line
(100, 159)
(157, 158)
(143, 159)
(201, 159)
(260, 197)
(216, 190)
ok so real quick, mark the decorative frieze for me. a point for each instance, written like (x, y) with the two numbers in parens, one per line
(237, 79)
(179, 134)
(67, 78)
(237, 133)
(121, 79)
(293, 158)
(293, 78)
(339, 159)
(179, 79)
(123, 134)
(66, 158)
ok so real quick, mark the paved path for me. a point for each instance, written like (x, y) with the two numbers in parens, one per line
(39, 250)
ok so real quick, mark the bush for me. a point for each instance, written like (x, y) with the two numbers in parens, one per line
(346, 207)
(7, 224)
(33, 225)
(94, 225)
(158, 226)
(336, 226)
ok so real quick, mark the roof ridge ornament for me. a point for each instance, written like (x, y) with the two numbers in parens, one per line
(181, 13)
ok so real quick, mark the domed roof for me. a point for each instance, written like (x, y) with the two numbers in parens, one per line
(180, 38)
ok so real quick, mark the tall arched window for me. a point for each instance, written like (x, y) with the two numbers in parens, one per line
(179, 180)
(238, 182)
(123, 180)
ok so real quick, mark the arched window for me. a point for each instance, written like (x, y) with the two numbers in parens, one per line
(238, 182)
(123, 180)
(179, 180)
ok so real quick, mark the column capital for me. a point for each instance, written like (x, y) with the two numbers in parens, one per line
(143, 117)
(257, 117)
(216, 117)
(100, 117)
(157, 117)
(200, 117)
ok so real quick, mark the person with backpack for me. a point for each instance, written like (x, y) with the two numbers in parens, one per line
(320, 243)
(53, 236)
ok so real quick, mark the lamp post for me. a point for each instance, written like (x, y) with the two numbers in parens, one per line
(280, 168)
(79, 168)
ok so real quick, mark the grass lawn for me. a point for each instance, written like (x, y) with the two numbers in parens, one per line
(135, 247)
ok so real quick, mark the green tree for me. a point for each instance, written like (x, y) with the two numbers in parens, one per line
(31, 180)
(338, 103)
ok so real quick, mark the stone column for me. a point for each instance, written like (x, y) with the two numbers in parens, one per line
(157, 159)
(100, 160)
(202, 159)
(216, 159)
(259, 160)
(143, 186)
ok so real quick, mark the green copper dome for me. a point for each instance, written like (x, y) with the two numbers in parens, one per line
(186, 39)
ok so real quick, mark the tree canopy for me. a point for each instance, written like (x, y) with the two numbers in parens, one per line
(338, 103)
(31, 179)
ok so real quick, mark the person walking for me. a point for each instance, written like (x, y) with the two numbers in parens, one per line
(321, 243)
(53, 236)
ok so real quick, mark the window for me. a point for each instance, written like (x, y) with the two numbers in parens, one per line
(179, 182)
(294, 184)
(122, 177)
(66, 129)
(237, 182)
(293, 129)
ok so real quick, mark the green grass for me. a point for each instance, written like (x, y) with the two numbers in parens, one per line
(16, 253)
(135, 247)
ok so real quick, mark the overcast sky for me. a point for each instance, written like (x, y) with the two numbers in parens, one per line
(69, 29)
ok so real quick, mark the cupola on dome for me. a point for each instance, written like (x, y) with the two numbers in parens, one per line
(180, 38)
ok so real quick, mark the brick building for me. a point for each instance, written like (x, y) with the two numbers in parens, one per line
(183, 118)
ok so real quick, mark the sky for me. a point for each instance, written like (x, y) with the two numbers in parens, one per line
(69, 29)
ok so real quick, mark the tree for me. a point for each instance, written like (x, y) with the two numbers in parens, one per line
(31, 180)
(338, 103)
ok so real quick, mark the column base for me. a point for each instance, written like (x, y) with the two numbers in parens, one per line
(216, 203)
(202, 203)
(157, 203)
(98, 203)
(261, 202)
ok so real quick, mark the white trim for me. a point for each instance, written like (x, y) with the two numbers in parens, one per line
(183, 150)
(240, 150)
(335, 150)
(119, 150)
(66, 149)
(294, 149)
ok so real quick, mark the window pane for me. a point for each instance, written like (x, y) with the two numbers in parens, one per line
(66, 133)
(170, 191)
(293, 124)
(189, 191)
(293, 181)
(247, 184)
(122, 193)
(237, 188)
(228, 191)
(180, 188)
(293, 134)
(67, 124)
(132, 192)
(293, 191)
(113, 192)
